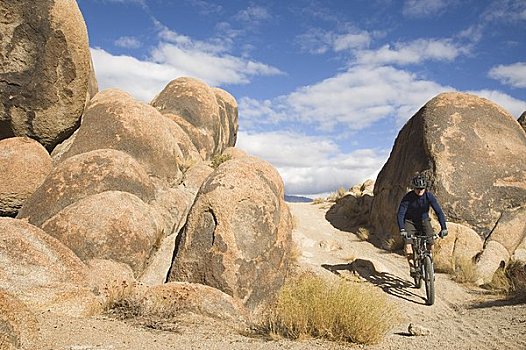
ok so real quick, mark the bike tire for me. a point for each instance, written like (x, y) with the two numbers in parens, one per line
(429, 277)
(418, 275)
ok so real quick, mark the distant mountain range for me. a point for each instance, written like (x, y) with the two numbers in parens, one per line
(297, 199)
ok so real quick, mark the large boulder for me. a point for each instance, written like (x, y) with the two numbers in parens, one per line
(461, 244)
(83, 175)
(522, 120)
(176, 298)
(25, 164)
(508, 234)
(42, 272)
(45, 70)
(115, 120)
(228, 113)
(171, 206)
(351, 212)
(18, 325)
(237, 236)
(473, 151)
(193, 105)
(110, 225)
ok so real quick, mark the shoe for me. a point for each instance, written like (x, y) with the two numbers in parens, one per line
(412, 271)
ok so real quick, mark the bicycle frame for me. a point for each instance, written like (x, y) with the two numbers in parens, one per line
(423, 262)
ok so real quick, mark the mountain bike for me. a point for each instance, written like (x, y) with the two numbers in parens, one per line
(424, 266)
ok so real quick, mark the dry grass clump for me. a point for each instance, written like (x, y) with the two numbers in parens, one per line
(464, 270)
(219, 159)
(363, 233)
(318, 200)
(309, 306)
(338, 195)
(516, 272)
(510, 280)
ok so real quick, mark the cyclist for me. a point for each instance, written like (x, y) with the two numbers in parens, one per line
(413, 217)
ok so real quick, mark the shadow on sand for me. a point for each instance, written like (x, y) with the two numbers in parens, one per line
(389, 283)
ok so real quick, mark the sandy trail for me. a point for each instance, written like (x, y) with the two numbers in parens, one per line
(452, 321)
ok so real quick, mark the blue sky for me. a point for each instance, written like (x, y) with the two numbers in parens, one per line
(323, 87)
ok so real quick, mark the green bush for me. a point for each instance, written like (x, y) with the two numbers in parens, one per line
(309, 306)
(219, 159)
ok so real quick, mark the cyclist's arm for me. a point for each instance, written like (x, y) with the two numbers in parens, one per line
(438, 210)
(402, 209)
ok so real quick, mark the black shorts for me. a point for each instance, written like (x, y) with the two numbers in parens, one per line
(421, 228)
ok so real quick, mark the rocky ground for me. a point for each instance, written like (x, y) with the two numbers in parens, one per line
(461, 318)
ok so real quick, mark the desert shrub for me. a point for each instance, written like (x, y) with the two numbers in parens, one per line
(338, 195)
(219, 159)
(500, 282)
(509, 280)
(309, 306)
(363, 233)
(516, 272)
(464, 270)
(318, 200)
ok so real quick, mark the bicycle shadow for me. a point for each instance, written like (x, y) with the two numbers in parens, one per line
(389, 283)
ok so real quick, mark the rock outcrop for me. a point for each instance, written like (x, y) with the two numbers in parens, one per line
(45, 70)
(462, 244)
(351, 212)
(110, 225)
(42, 272)
(473, 151)
(522, 120)
(208, 115)
(238, 234)
(18, 325)
(24, 164)
(115, 120)
(84, 175)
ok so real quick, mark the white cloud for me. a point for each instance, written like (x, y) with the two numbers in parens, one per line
(142, 79)
(212, 68)
(513, 74)
(352, 100)
(253, 14)
(176, 55)
(412, 53)
(425, 8)
(318, 41)
(128, 42)
(312, 165)
(205, 7)
(506, 11)
(514, 106)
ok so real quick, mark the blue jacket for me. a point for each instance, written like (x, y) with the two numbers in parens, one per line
(416, 208)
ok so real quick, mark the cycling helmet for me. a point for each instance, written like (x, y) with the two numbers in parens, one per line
(419, 181)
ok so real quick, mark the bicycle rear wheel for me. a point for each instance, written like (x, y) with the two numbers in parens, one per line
(429, 278)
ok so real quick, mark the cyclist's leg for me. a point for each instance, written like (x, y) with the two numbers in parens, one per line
(428, 230)
(411, 231)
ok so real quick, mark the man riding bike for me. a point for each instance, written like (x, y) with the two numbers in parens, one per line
(413, 217)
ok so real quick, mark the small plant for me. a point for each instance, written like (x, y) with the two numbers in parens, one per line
(464, 270)
(363, 233)
(318, 200)
(219, 159)
(510, 280)
(516, 272)
(309, 306)
(500, 282)
(338, 195)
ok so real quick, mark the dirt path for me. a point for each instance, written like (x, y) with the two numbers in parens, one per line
(452, 322)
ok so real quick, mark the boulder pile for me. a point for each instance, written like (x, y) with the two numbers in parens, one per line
(101, 193)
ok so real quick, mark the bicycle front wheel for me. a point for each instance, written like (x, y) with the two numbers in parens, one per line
(429, 278)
